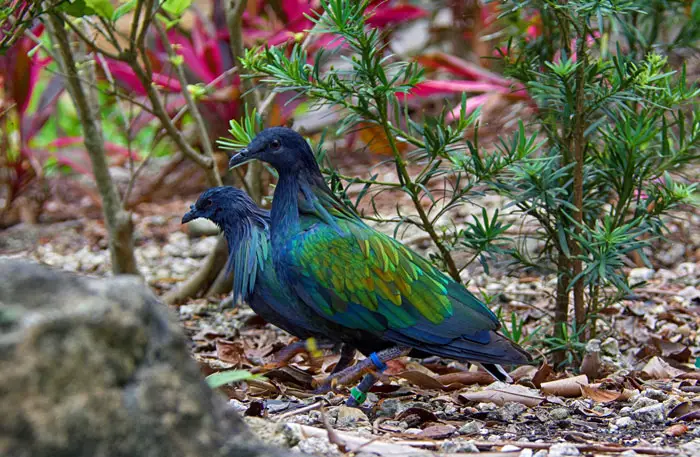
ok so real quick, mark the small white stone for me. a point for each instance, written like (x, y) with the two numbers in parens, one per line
(563, 450)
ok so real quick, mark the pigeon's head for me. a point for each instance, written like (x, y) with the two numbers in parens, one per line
(281, 147)
(225, 206)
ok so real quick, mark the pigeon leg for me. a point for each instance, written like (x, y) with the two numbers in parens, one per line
(347, 354)
(358, 394)
(310, 346)
(375, 362)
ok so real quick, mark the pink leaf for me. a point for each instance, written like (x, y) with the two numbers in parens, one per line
(126, 78)
(458, 66)
(436, 87)
(382, 17)
(472, 104)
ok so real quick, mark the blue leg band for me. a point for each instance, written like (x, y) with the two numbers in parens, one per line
(381, 366)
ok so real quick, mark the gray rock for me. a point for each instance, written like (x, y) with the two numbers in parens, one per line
(610, 347)
(655, 394)
(347, 417)
(672, 255)
(642, 402)
(541, 453)
(629, 453)
(459, 445)
(510, 411)
(654, 414)
(559, 414)
(318, 446)
(470, 428)
(625, 422)
(527, 452)
(593, 346)
(637, 275)
(563, 450)
(95, 367)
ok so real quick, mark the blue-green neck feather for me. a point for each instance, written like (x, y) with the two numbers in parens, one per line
(248, 251)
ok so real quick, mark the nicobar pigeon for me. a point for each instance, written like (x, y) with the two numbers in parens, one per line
(361, 279)
(246, 229)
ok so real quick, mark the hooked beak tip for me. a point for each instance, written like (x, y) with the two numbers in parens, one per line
(188, 217)
(242, 157)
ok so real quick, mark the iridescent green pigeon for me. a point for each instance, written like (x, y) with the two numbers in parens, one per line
(246, 228)
(359, 278)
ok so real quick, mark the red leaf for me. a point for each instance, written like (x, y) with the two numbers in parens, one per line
(126, 78)
(384, 16)
(461, 67)
(435, 87)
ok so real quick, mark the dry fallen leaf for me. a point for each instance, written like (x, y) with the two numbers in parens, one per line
(600, 395)
(676, 430)
(231, 352)
(686, 411)
(591, 365)
(437, 432)
(567, 387)
(542, 374)
(504, 393)
(657, 368)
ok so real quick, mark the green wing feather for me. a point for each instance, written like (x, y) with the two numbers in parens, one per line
(369, 278)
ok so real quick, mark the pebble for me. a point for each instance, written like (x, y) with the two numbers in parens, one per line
(527, 452)
(654, 414)
(672, 255)
(486, 407)
(610, 347)
(511, 410)
(655, 394)
(637, 275)
(317, 445)
(642, 402)
(459, 445)
(540, 453)
(563, 450)
(350, 417)
(389, 407)
(559, 414)
(593, 346)
(470, 428)
(203, 247)
(629, 453)
(510, 448)
(625, 422)
(686, 269)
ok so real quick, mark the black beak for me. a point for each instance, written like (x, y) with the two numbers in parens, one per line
(242, 157)
(190, 215)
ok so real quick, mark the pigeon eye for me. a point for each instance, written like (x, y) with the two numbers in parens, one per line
(275, 144)
(207, 203)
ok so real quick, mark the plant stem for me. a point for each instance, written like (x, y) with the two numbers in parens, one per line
(250, 96)
(410, 186)
(579, 159)
(561, 308)
(117, 220)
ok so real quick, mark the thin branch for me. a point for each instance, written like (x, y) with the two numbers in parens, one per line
(194, 111)
(87, 40)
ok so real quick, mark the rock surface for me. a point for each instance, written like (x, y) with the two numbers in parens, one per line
(97, 367)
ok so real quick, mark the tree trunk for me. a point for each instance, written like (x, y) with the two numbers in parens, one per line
(117, 220)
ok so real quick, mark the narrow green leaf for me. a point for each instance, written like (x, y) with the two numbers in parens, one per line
(123, 9)
(176, 7)
(221, 378)
(102, 8)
